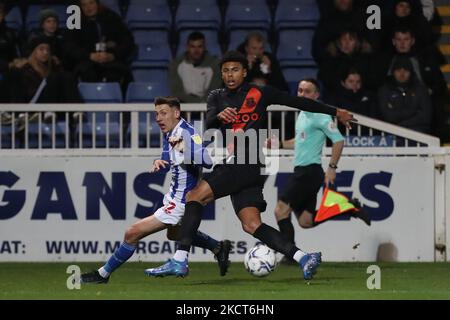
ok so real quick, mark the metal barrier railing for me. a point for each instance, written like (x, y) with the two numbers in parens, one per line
(125, 129)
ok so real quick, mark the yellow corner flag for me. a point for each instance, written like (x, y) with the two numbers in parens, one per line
(333, 203)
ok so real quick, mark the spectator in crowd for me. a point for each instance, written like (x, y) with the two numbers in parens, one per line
(195, 73)
(40, 80)
(8, 43)
(426, 69)
(263, 67)
(101, 49)
(343, 15)
(407, 15)
(352, 94)
(403, 100)
(347, 51)
(49, 28)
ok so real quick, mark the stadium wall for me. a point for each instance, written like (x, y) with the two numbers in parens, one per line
(77, 209)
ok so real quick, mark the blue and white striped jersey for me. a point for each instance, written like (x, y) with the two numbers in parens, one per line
(186, 165)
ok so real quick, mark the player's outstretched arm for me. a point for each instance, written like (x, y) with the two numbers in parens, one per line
(301, 103)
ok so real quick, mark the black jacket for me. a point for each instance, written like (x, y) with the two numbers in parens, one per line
(107, 26)
(406, 105)
(8, 47)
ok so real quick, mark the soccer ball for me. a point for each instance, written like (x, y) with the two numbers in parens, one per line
(260, 260)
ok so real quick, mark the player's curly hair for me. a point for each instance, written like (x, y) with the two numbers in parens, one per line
(234, 56)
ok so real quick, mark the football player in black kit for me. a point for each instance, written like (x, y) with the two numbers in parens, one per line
(241, 107)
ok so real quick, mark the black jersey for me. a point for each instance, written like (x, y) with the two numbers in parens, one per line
(251, 102)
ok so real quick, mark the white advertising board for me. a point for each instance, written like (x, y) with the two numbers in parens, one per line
(78, 208)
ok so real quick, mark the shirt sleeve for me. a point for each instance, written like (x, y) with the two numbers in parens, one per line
(275, 96)
(212, 110)
(327, 125)
(165, 156)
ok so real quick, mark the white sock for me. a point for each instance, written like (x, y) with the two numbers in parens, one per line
(298, 255)
(103, 272)
(180, 255)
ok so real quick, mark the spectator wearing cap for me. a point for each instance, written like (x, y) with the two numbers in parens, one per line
(102, 49)
(195, 73)
(403, 100)
(49, 28)
(39, 80)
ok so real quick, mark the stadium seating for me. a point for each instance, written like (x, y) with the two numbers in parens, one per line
(112, 5)
(155, 15)
(150, 36)
(47, 134)
(14, 19)
(146, 92)
(197, 16)
(153, 55)
(211, 38)
(249, 15)
(151, 75)
(296, 14)
(101, 93)
(294, 48)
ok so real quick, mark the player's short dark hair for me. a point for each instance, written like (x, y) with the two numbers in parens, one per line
(313, 81)
(172, 102)
(234, 56)
(196, 35)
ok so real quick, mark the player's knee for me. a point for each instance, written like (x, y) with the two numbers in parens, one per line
(251, 226)
(132, 235)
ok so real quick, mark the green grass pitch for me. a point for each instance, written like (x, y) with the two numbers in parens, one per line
(333, 281)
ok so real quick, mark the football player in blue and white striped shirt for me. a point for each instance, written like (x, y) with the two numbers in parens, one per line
(184, 153)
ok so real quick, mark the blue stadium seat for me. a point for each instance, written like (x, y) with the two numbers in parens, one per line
(149, 16)
(211, 38)
(46, 135)
(151, 75)
(113, 5)
(197, 16)
(150, 36)
(6, 137)
(296, 14)
(101, 93)
(34, 11)
(237, 37)
(153, 55)
(14, 19)
(294, 49)
(249, 15)
(294, 75)
(146, 92)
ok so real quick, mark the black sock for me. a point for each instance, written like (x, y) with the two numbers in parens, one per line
(275, 240)
(189, 224)
(287, 229)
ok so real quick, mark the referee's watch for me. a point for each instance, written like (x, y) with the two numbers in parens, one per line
(332, 166)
